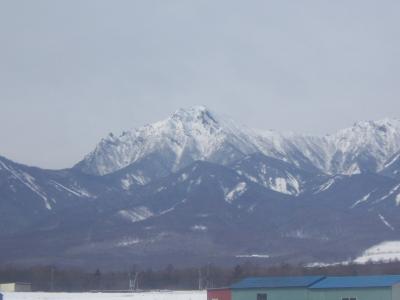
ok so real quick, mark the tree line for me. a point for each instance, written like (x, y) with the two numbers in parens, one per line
(56, 279)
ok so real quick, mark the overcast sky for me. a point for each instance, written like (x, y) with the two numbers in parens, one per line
(71, 71)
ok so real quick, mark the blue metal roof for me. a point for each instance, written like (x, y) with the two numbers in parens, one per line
(276, 282)
(356, 282)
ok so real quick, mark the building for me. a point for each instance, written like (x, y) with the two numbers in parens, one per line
(274, 288)
(219, 294)
(357, 288)
(384, 287)
(15, 287)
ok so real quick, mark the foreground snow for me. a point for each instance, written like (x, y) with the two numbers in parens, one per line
(187, 295)
(383, 252)
(386, 251)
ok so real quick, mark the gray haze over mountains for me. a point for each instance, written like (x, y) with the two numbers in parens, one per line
(72, 71)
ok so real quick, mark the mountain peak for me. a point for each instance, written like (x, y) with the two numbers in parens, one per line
(386, 122)
(196, 133)
(189, 134)
(195, 113)
(193, 109)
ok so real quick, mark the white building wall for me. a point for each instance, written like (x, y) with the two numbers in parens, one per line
(15, 287)
(7, 287)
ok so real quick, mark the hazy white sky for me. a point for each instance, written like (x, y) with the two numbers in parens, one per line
(73, 70)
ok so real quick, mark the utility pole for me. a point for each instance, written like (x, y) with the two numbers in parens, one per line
(133, 277)
(136, 281)
(200, 280)
(51, 279)
(131, 284)
(208, 276)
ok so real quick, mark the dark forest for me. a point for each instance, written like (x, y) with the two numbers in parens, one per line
(50, 278)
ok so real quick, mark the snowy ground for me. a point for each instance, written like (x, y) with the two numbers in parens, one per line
(190, 295)
(383, 252)
(386, 251)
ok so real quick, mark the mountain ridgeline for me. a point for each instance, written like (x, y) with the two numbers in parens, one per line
(198, 188)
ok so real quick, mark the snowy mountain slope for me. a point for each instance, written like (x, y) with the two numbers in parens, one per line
(357, 210)
(29, 195)
(228, 188)
(364, 147)
(392, 167)
(214, 206)
(200, 205)
(142, 172)
(372, 198)
(209, 212)
(354, 191)
(198, 134)
(304, 151)
(276, 174)
(197, 183)
(187, 136)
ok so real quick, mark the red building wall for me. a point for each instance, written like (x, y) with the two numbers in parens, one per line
(219, 294)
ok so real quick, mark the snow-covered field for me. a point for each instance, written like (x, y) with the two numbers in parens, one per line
(187, 295)
(384, 252)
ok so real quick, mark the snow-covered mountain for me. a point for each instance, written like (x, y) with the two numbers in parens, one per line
(205, 212)
(29, 195)
(277, 175)
(392, 167)
(200, 187)
(198, 134)
(187, 136)
(364, 147)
